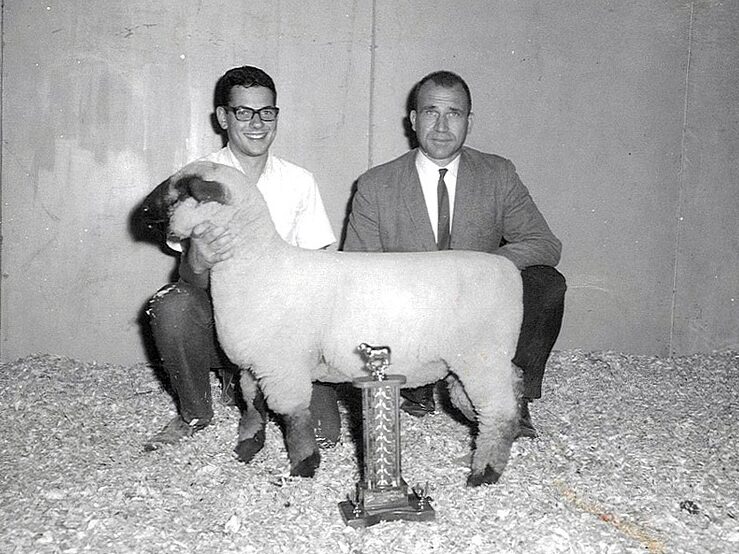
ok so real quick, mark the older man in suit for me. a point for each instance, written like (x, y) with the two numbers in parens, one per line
(446, 195)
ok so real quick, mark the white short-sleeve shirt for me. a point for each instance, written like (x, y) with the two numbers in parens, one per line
(293, 200)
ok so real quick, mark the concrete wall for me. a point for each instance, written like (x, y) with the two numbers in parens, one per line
(620, 116)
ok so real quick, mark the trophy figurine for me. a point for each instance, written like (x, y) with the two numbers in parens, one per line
(383, 494)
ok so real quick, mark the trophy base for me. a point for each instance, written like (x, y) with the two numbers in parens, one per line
(414, 511)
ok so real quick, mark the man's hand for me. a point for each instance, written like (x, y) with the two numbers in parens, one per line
(209, 244)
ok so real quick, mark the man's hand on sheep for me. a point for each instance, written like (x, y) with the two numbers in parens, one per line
(209, 244)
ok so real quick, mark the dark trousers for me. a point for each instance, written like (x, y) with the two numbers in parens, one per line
(181, 320)
(543, 307)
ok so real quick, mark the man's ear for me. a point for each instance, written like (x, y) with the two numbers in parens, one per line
(221, 117)
(412, 116)
(470, 119)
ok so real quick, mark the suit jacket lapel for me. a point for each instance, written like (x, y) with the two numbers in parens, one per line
(466, 203)
(416, 204)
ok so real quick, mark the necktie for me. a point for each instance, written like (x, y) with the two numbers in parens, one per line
(443, 238)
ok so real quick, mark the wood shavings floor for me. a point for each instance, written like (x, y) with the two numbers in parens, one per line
(636, 454)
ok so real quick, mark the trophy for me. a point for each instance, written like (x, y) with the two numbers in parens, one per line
(383, 494)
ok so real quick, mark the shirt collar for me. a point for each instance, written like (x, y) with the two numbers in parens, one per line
(426, 166)
(237, 164)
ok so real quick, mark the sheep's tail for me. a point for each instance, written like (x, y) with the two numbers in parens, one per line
(459, 398)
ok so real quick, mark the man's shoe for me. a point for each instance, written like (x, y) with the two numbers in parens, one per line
(418, 402)
(172, 433)
(526, 429)
(416, 409)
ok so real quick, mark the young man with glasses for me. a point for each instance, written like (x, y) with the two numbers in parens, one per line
(181, 314)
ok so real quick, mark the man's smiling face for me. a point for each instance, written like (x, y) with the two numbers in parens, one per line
(249, 138)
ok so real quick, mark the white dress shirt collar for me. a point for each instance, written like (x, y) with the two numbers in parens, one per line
(428, 174)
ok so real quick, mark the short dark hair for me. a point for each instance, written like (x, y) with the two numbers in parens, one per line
(245, 76)
(443, 79)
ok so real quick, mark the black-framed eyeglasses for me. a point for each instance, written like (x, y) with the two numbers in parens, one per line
(245, 113)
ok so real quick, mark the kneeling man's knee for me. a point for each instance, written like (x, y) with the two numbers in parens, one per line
(176, 300)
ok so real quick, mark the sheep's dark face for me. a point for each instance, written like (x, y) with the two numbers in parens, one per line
(158, 204)
(203, 182)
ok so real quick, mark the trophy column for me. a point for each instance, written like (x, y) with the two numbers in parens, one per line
(382, 495)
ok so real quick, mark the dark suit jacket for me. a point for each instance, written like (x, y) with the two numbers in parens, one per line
(491, 206)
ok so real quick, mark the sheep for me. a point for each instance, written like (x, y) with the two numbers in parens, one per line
(293, 316)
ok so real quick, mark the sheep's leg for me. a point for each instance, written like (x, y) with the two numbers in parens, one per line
(302, 448)
(497, 416)
(459, 397)
(492, 449)
(288, 393)
(253, 419)
(251, 435)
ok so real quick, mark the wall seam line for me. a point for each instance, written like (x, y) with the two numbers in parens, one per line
(2, 149)
(680, 184)
(371, 107)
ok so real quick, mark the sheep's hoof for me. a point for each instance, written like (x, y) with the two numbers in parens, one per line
(307, 467)
(487, 477)
(248, 448)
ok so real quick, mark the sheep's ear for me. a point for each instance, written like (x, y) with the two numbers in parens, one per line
(208, 191)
